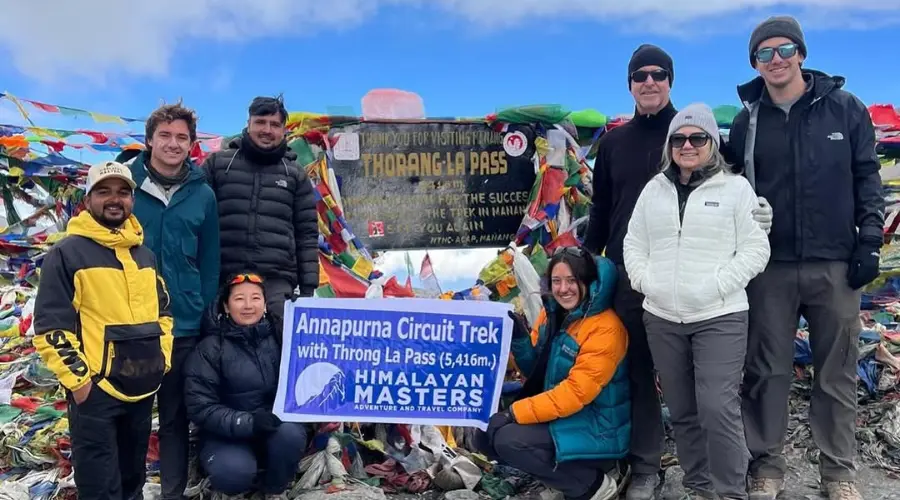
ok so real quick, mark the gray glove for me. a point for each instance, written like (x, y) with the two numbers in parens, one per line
(763, 215)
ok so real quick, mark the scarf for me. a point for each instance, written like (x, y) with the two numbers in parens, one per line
(259, 155)
(167, 181)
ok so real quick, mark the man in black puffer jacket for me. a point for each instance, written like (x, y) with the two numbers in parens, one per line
(267, 209)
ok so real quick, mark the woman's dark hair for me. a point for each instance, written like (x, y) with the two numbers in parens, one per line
(580, 261)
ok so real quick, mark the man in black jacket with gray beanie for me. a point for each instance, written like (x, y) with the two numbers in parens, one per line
(628, 156)
(267, 208)
(808, 146)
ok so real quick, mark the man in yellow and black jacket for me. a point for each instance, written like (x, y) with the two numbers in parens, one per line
(103, 326)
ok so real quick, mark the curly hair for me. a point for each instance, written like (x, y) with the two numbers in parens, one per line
(168, 113)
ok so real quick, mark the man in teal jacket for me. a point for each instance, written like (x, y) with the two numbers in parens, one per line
(178, 212)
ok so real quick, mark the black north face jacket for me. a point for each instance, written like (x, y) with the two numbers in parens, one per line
(817, 167)
(267, 215)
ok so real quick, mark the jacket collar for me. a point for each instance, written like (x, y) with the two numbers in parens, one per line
(138, 166)
(131, 234)
(822, 84)
(252, 333)
(709, 173)
(660, 120)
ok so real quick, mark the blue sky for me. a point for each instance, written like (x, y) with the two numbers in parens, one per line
(464, 57)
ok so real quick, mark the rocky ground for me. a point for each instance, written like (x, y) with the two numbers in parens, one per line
(802, 484)
(874, 484)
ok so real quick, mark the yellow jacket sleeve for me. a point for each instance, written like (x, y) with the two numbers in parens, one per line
(166, 322)
(603, 348)
(56, 321)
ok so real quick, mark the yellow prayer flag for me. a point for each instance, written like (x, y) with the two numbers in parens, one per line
(363, 268)
(101, 118)
(323, 276)
(447, 433)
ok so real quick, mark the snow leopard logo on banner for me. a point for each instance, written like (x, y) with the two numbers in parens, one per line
(318, 384)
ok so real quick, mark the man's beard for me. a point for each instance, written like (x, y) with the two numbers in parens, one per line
(110, 222)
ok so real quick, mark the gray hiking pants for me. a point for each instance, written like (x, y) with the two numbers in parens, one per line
(700, 368)
(819, 291)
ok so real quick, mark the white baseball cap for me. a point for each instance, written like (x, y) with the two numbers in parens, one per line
(108, 170)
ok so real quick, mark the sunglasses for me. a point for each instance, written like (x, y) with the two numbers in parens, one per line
(573, 251)
(786, 51)
(658, 75)
(243, 278)
(698, 140)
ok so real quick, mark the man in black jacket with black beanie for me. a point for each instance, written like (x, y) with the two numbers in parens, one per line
(628, 156)
(808, 146)
(267, 209)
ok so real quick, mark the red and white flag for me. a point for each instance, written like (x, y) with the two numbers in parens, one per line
(427, 276)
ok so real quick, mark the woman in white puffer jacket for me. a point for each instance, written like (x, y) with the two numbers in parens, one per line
(692, 247)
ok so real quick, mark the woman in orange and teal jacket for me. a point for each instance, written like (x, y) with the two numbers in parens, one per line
(571, 423)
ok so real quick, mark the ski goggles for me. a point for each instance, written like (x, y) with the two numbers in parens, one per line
(245, 278)
(698, 140)
(658, 75)
(785, 51)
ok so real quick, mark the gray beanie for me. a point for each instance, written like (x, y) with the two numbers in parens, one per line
(785, 26)
(699, 115)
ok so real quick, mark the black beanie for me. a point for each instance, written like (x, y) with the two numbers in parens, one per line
(650, 55)
(772, 27)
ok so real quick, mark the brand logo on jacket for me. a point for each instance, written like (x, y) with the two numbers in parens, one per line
(711, 204)
(281, 183)
(836, 136)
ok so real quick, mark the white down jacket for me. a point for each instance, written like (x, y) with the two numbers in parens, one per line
(698, 268)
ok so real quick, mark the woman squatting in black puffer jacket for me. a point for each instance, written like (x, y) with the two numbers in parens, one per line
(230, 389)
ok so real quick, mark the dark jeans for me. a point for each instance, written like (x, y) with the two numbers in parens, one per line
(109, 446)
(277, 291)
(819, 291)
(700, 368)
(174, 442)
(232, 466)
(648, 435)
(530, 449)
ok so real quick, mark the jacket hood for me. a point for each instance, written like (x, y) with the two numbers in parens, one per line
(235, 143)
(599, 294)
(131, 234)
(128, 155)
(823, 84)
(138, 162)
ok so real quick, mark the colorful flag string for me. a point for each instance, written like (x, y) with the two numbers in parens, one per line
(67, 111)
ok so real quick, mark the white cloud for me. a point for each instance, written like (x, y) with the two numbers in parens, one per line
(449, 265)
(93, 39)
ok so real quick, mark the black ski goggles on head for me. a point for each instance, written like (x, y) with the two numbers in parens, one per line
(698, 140)
(785, 51)
(658, 75)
